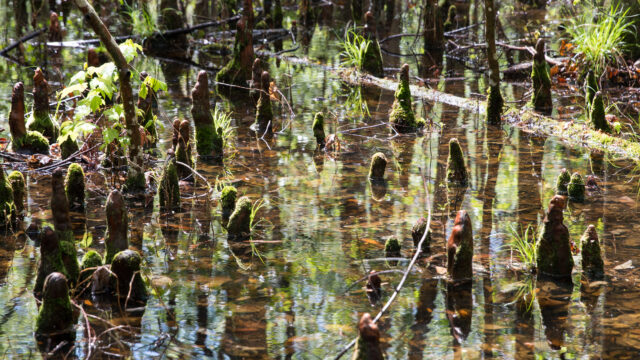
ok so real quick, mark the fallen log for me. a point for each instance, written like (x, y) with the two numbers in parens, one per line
(23, 39)
(574, 134)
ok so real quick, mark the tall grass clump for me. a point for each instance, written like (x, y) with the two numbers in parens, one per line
(222, 125)
(599, 37)
(355, 47)
(523, 244)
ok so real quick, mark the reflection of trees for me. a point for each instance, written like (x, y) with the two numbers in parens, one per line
(459, 312)
(424, 313)
(530, 152)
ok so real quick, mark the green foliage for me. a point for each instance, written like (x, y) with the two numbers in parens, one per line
(255, 207)
(355, 48)
(524, 245)
(142, 18)
(222, 126)
(601, 42)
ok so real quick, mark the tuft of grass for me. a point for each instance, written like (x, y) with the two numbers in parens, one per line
(142, 19)
(355, 47)
(600, 42)
(254, 211)
(222, 124)
(523, 243)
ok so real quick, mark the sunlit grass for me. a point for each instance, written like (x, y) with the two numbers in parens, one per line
(601, 42)
(354, 49)
(523, 244)
(222, 125)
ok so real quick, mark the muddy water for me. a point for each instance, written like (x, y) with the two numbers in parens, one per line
(292, 292)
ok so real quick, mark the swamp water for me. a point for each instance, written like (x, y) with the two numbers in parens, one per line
(292, 292)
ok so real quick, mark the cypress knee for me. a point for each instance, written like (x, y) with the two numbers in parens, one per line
(40, 120)
(372, 58)
(126, 268)
(50, 259)
(460, 248)
(201, 113)
(7, 205)
(21, 139)
(62, 224)
(264, 113)
(169, 189)
(575, 188)
(56, 315)
(74, 186)
(554, 250)
(183, 150)
(563, 180)
(368, 342)
(541, 81)
(378, 166)
(318, 130)
(117, 226)
(417, 232)
(402, 116)
(456, 169)
(239, 225)
(19, 189)
(228, 202)
(592, 264)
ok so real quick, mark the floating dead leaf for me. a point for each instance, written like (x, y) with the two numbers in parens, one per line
(441, 270)
(627, 265)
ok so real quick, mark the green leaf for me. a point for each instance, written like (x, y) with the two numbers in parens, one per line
(78, 78)
(110, 134)
(144, 89)
(130, 49)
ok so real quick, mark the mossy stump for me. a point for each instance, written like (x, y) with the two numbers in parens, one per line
(378, 166)
(74, 187)
(264, 112)
(50, 259)
(208, 142)
(7, 205)
(368, 342)
(402, 117)
(90, 262)
(183, 151)
(31, 142)
(456, 168)
(55, 316)
(597, 114)
(417, 232)
(592, 264)
(228, 202)
(126, 269)
(19, 190)
(239, 225)
(541, 81)
(372, 59)
(238, 69)
(561, 183)
(169, 189)
(575, 188)
(68, 146)
(40, 120)
(460, 249)
(318, 130)
(116, 239)
(554, 250)
(392, 247)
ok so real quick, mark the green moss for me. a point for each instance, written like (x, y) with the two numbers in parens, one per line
(372, 59)
(68, 147)
(553, 250)
(597, 114)
(264, 113)
(69, 256)
(19, 189)
(318, 129)
(134, 183)
(233, 72)
(74, 186)
(239, 224)
(575, 189)
(42, 123)
(126, 265)
(90, 260)
(378, 166)
(183, 155)
(169, 189)
(541, 82)
(208, 140)
(495, 103)
(402, 116)
(392, 246)
(590, 88)
(50, 262)
(32, 142)
(456, 169)
(592, 263)
(561, 183)
(7, 207)
(55, 314)
(228, 202)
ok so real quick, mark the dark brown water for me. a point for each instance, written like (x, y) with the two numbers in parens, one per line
(291, 293)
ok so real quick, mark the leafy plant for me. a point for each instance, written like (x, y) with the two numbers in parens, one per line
(524, 244)
(254, 211)
(601, 42)
(142, 18)
(355, 47)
